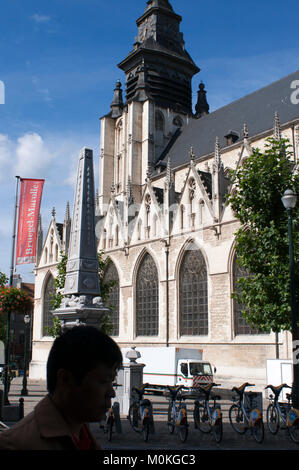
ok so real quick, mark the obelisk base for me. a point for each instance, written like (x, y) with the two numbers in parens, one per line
(81, 311)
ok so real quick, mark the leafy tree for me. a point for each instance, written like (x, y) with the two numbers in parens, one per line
(3, 279)
(59, 282)
(262, 240)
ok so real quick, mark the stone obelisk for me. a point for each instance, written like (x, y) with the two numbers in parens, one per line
(82, 303)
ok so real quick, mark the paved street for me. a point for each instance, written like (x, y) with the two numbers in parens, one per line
(162, 440)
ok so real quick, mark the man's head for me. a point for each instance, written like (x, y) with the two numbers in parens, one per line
(81, 368)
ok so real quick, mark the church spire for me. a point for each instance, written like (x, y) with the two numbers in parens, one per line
(159, 49)
(117, 102)
(202, 106)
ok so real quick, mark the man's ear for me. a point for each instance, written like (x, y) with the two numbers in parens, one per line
(65, 378)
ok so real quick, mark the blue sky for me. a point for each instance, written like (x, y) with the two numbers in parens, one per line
(58, 61)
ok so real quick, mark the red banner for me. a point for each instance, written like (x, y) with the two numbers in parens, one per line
(29, 206)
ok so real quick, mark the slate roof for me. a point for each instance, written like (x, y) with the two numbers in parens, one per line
(257, 110)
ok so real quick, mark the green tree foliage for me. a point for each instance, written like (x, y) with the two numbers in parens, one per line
(59, 282)
(3, 279)
(262, 240)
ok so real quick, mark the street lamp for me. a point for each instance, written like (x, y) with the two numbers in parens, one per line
(24, 390)
(289, 200)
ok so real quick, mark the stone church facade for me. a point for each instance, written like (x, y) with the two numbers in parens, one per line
(161, 213)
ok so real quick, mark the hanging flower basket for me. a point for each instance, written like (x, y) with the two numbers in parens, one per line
(14, 300)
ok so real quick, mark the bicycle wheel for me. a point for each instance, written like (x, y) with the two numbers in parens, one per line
(109, 431)
(258, 431)
(196, 416)
(218, 430)
(236, 419)
(145, 431)
(134, 418)
(203, 419)
(272, 419)
(170, 419)
(183, 432)
(294, 432)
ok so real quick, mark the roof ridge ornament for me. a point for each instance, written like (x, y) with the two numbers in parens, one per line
(169, 181)
(277, 128)
(191, 154)
(245, 131)
(217, 165)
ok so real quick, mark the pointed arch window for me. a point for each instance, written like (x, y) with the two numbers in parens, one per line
(147, 298)
(159, 121)
(193, 291)
(111, 275)
(47, 306)
(241, 327)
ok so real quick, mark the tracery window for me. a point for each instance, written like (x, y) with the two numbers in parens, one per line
(47, 306)
(147, 298)
(193, 293)
(111, 274)
(240, 325)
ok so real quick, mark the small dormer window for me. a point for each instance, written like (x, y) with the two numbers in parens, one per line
(231, 137)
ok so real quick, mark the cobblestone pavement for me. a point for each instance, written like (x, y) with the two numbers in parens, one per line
(161, 439)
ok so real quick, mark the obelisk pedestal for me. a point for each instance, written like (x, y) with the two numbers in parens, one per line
(82, 303)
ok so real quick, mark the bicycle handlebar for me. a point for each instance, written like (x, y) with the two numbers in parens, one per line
(175, 390)
(279, 386)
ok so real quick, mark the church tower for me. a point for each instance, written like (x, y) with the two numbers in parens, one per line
(157, 104)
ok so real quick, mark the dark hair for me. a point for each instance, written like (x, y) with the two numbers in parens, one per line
(79, 350)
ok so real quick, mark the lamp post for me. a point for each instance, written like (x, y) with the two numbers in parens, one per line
(24, 391)
(289, 200)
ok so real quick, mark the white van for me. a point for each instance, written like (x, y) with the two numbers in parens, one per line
(173, 366)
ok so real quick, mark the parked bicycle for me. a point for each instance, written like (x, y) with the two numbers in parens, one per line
(177, 413)
(208, 418)
(282, 415)
(243, 417)
(141, 413)
(112, 421)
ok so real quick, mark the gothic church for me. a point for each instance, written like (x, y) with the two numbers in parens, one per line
(160, 210)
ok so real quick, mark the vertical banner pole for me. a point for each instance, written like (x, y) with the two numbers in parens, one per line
(6, 379)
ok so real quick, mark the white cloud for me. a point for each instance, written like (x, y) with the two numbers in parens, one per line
(41, 18)
(33, 156)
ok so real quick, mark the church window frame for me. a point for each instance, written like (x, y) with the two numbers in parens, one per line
(240, 326)
(193, 292)
(113, 299)
(47, 317)
(147, 298)
(159, 121)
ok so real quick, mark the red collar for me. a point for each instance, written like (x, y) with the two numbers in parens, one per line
(84, 442)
